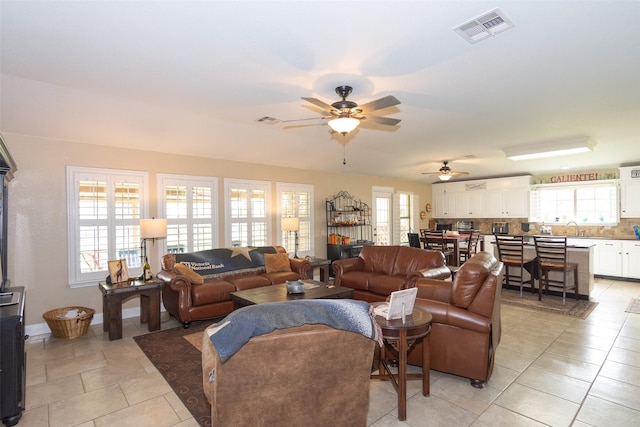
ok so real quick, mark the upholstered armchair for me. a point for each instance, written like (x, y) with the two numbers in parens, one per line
(466, 319)
(309, 375)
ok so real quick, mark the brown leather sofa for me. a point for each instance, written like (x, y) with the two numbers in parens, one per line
(188, 296)
(466, 319)
(380, 270)
(309, 375)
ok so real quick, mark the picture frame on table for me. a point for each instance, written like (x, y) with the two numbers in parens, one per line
(118, 271)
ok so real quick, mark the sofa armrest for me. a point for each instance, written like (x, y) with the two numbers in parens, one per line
(343, 266)
(176, 294)
(434, 289)
(300, 266)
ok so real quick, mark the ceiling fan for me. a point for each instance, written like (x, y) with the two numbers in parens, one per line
(345, 115)
(445, 173)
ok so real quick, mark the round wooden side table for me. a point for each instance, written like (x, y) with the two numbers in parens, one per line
(401, 336)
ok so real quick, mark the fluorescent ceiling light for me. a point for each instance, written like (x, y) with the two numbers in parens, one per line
(559, 147)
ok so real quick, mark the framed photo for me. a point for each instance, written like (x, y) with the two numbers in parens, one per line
(400, 305)
(118, 271)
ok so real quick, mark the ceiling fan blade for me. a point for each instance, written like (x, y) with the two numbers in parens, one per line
(430, 173)
(319, 103)
(300, 120)
(379, 104)
(454, 174)
(382, 120)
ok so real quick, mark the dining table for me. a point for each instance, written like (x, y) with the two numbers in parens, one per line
(453, 241)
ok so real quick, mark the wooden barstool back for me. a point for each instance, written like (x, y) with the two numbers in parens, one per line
(511, 254)
(552, 256)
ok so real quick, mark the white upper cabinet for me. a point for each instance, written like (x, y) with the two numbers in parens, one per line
(630, 192)
(488, 198)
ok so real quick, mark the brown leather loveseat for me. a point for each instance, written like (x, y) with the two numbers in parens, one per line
(380, 270)
(197, 285)
(466, 319)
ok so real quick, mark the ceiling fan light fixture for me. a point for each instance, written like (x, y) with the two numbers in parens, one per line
(560, 147)
(344, 125)
(444, 177)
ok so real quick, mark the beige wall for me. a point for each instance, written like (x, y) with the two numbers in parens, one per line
(38, 218)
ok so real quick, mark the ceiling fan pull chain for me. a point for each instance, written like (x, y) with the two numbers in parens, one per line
(344, 150)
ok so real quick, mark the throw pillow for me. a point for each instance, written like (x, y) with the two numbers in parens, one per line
(191, 275)
(276, 262)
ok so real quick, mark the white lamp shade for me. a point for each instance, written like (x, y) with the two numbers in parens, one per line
(344, 125)
(153, 228)
(290, 224)
(444, 177)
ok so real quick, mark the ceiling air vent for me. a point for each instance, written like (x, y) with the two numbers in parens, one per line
(484, 26)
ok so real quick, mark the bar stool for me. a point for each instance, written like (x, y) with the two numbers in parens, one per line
(552, 256)
(414, 240)
(471, 246)
(511, 254)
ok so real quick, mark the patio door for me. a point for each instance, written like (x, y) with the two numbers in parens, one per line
(382, 215)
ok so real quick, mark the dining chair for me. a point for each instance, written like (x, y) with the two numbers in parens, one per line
(471, 246)
(434, 240)
(414, 240)
(511, 253)
(552, 256)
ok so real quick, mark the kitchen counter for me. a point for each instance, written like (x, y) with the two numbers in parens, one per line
(580, 254)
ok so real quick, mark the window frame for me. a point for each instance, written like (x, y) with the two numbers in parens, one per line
(535, 212)
(190, 181)
(306, 244)
(75, 174)
(250, 185)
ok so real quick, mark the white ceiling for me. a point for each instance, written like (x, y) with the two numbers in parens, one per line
(194, 77)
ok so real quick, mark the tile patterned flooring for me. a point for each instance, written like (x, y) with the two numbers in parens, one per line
(550, 370)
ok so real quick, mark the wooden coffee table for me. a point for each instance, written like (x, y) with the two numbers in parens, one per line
(278, 293)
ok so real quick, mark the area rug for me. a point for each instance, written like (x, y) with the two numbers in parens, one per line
(550, 303)
(634, 306)
(176, 354)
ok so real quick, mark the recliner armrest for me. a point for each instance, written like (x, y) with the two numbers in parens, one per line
(434, 289)
(300, 266)
(439, 273)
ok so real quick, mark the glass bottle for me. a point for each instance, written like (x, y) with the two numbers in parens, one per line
(146, 269)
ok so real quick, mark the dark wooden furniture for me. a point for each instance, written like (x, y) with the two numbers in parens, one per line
(278, 293)
(470, 248)
(398, 338)
(511, 254)
(450, 243)
(13, 359)
(323, 265)
(113, 295)
(348, 226)
(414, 240)
(551, 252)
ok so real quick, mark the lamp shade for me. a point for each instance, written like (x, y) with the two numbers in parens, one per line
(153, 228)
(444, 177)
(290, 224)
(344, 125)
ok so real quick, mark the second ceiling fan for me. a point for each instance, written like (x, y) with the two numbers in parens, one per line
(345, 115)
(446, 173)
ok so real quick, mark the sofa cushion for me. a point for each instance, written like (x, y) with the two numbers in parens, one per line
(212, 291)
(470, 277)
(249, 282)
(357, 279)
(276, 262)
(191, 275)
(379, 259)
(410, 260)
(384, 285)
(282, 276)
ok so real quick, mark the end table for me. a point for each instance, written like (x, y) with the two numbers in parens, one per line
(321, 263)
(401, 337)
(113, 295)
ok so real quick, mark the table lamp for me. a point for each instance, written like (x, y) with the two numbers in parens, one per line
(292, 224)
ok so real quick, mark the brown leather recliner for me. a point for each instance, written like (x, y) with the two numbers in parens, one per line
(466, 319)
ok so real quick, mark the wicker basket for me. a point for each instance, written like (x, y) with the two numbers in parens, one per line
(73, 327)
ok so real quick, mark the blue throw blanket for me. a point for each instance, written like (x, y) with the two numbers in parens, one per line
(231, 333)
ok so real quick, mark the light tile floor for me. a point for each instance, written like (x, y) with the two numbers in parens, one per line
(550, 370)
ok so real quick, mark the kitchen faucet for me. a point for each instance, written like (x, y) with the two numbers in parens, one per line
(574, 223)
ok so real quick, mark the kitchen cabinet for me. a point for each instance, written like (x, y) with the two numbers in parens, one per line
(470, 204)
(507, 204)
(630, 192)
(444, 202)
(631, 259)
(608, 258)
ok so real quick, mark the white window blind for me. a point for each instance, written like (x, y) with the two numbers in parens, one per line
(247, 204)
(296, 200)
(104, 211)
(189, 203)
(588, 204)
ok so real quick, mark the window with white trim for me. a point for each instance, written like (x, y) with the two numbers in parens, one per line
(587, 204)
(405, 216)
(247, 207)
(296, 201)
(104, 211)
(189, 203)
